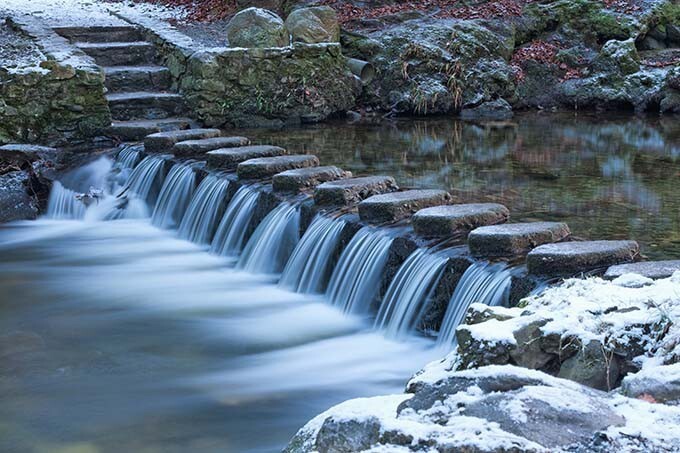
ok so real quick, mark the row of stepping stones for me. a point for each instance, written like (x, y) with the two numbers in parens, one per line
(548, 247)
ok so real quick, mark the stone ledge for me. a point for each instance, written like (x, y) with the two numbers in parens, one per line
(570, 258)
(165, 141)
(399, 205)
(353, 190)
(266, 167)
(22, 153)
(650, 269)
(229, 158)
(302, 178)
(191, 147)
(442, 221)
(514, 239)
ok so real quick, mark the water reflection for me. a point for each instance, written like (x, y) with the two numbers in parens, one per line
(613, 178)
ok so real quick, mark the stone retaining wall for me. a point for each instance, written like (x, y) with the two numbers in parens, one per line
(61, 100)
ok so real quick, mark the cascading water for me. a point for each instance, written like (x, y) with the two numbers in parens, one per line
(206, 206)
(310, 265)
(407, 296)
(356, 279)
(481, 283)
(146, 180)
(63, 203)
(273, 241)
(231, 232)
(174, 197)
(128, 157)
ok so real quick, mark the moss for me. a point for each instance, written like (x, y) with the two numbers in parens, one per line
(666, 13)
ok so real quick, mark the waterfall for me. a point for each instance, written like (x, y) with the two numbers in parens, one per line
(481, 283)
(128, 157)
(356, 279)
(200, 220)
(273, 241)
(407, 296)
(174, 197)
(231, 232)
(309, 266)
(63, 204)
(146, 179)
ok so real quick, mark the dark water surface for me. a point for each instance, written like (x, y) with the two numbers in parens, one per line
(607, 176)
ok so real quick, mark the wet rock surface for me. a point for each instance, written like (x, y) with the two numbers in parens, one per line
(514, 239)
(229, 158)
(450, 220)
(398, 205)
(570, 258)
(304, 178)
(266, 167)
(200, 146)
(352, 190)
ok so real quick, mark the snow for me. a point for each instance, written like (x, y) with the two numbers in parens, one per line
(65, 13)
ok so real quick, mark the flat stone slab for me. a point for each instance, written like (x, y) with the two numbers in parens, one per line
(650, 269)
(570, 258)
(441, 221)
(266, 167)
(353, 190)
(200, 146)
(514, 239)
(165, 141)
(229, 158)
(18, 152)
(390, 207)
(302, 178)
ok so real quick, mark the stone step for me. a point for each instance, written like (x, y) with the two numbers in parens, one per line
(229, 158)
(20, 153)
(119, 53)
(390, 207)
(137, 78)
(203, 145)
(145, 105)
(514, 239)
(138, 129)
(112, 33)
(344, 192)
(650, 269)
(444, 221)
(164, 141)
(304, 178)
(571, 258)
(266, 167)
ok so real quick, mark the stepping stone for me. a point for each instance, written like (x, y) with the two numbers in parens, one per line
(391, 207)
(18, 153)
(119, 53)
(344, 192)
(266, 167)
(302, 178)
(443, 221)
(650, 269)
(200, 146)
(570, 258)
(145, 105)
(137, 78)
(514, 239)
(114, 33)
(136, 130)
(164, 141)
(229, 158)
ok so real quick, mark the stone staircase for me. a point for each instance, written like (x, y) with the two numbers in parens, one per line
(140, 94)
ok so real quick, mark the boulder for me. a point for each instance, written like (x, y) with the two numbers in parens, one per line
(673, 33)
(650, 269)
(619, 56)
(395, 206)
(21, 153)
(514, 239)
(164, 141)
(442, 221)
(200, 146)
(497, 110)
(314, 25)
(570, 258)
(266, 167)
(592, 366)
(303, 178)
(660, 383)
(257, 27)
(15, 201)
(353, 190)
(229, 158)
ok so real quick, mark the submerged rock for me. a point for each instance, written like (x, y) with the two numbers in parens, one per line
(257, 27)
